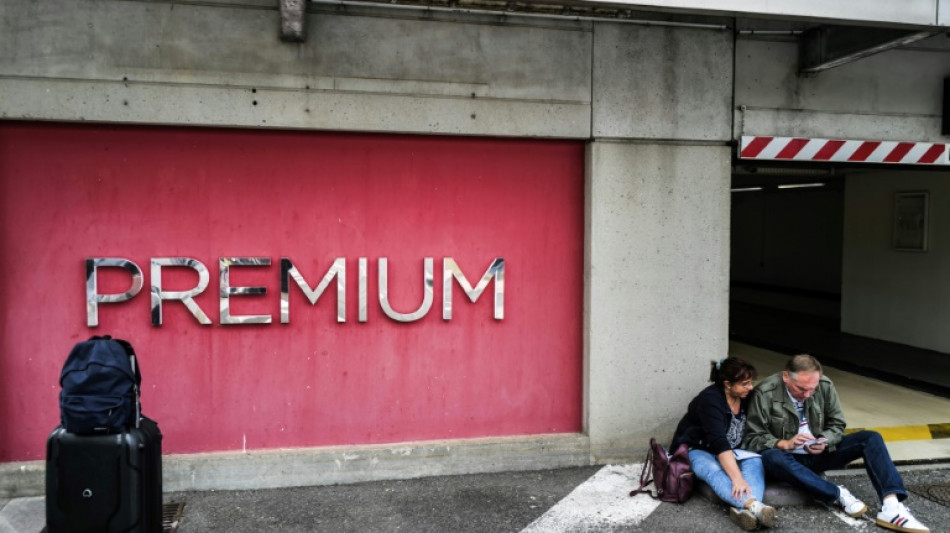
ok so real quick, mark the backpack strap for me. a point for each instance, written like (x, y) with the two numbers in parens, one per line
(131, 353)
(127, 346)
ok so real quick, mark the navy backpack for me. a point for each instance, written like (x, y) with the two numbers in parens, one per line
(100, 381)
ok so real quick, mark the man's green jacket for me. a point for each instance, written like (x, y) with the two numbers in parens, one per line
(772, 417)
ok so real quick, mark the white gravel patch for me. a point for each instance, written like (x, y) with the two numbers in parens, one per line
(23, 515)
(601, 503)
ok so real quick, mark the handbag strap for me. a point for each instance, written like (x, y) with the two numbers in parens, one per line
(646, 475)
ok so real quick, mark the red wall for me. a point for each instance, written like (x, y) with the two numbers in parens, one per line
(68, 192)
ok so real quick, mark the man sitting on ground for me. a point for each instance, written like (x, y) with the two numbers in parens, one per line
(795, 422)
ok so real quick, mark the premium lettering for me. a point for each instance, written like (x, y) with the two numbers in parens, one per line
(288, 272)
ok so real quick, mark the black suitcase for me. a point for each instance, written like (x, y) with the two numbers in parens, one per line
(105, 483)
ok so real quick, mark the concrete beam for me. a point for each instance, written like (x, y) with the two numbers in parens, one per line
(878, 12)
(827, 47)
(885, 13)
(661, 83)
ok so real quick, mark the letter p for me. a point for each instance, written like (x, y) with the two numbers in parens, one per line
(93, 298)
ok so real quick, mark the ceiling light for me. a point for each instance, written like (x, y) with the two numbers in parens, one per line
(800, 185)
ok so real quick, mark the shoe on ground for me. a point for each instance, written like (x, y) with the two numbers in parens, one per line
(743, 518)
(765, 514)
(900, 520)
(852, 506)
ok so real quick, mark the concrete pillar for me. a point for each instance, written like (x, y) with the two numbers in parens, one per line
(657, 294)
(657, 209)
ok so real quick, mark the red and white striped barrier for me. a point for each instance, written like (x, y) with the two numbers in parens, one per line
(801, 149)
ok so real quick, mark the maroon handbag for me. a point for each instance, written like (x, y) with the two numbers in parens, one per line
(671, 475)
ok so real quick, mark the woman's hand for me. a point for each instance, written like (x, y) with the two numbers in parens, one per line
(740, 489)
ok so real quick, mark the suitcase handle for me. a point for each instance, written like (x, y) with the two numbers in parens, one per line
(138, 402)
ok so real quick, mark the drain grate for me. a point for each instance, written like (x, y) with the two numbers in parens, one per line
(934, 493)
(171, 516)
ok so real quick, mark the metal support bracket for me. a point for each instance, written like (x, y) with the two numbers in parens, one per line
(293, 21)
(827, 47)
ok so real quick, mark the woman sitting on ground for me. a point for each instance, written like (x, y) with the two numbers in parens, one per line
(712, 429)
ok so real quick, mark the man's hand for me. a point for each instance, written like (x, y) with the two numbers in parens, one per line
(816, 448)
(794, 442)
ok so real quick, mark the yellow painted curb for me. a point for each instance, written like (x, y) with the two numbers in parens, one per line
(898, 433)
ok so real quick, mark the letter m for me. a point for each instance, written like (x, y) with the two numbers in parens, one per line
(451, 269)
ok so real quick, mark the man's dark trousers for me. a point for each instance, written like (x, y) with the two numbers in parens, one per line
(802, 470)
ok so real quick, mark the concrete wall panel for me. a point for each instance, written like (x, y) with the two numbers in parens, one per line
(658, 231)
(895, 95)
(661, 83)
(897, 296)
(164, 62)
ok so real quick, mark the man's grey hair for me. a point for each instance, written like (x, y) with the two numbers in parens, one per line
(802, 363)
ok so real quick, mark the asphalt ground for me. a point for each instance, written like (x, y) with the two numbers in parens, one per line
(516, 501)
(485, 502)
(587, 499)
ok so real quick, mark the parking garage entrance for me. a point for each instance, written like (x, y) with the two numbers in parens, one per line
(848, 262)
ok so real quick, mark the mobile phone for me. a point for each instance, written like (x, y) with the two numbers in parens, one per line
(820, 440)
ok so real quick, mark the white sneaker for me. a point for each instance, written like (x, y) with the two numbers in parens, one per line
(901, 520)
(852, 506)
(743, 518)
(765, 514)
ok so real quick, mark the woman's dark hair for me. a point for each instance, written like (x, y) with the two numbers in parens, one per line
(731, 369)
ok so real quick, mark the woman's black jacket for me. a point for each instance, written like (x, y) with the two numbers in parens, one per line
(706, 422)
